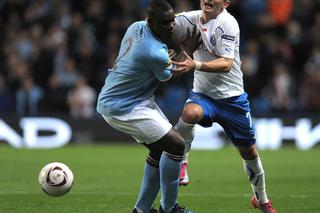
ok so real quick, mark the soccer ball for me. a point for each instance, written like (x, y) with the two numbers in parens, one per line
(56, 179)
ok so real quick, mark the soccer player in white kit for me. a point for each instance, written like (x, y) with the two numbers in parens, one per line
(218, 94)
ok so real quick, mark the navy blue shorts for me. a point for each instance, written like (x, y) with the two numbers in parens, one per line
(233, 114)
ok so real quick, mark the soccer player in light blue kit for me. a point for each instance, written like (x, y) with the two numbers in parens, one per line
(126, 102)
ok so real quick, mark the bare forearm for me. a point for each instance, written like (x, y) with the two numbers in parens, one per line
(219, 65)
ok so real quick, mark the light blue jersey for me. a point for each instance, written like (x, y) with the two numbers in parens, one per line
(142, 62)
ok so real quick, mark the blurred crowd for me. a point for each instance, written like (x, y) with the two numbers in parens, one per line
(54, 54)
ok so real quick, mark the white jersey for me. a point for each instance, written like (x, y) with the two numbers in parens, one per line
(220, 38)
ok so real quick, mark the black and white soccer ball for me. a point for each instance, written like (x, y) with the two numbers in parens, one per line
(56, 179)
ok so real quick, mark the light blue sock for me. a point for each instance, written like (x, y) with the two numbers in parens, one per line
(169, 180)
(149, 188)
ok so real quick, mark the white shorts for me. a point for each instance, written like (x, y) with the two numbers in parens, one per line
(146, 122)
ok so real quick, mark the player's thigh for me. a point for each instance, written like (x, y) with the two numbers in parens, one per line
(237, 123)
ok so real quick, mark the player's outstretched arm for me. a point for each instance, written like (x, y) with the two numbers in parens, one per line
(218, 65)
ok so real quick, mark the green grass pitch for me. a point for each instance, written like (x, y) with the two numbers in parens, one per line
(107, 179)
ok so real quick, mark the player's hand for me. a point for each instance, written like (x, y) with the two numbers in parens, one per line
(185, 66)
(192, 40)
(172, 54)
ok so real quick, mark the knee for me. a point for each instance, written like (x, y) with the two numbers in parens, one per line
(154, 156)
(173, 143)
(178, 146)
(249, 153)
(192, 113)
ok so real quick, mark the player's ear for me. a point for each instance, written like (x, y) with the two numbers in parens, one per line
(226, 3)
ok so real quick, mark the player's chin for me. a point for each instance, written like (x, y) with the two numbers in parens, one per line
(170, 32)
(208, 10)
(169, 35)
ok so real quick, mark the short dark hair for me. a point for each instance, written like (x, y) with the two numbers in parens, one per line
(157, 8)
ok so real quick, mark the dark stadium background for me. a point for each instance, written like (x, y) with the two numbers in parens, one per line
(56, 49)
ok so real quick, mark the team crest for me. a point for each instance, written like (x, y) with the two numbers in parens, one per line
(213, 41)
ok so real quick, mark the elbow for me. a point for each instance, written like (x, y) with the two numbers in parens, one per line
(227, 66)
(226, 69)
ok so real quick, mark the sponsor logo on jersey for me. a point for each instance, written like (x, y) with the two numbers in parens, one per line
(228, 37)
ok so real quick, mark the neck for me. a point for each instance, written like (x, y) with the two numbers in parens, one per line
(152, 29)
(158, 36)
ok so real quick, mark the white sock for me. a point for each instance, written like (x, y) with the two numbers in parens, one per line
(255, 172)
(185, 157)
(187, 132)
